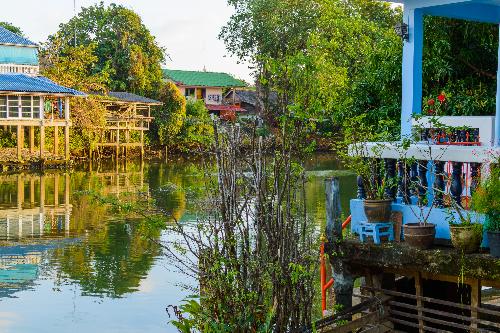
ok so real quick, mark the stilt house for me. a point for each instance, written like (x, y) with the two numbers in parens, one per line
(29, 101)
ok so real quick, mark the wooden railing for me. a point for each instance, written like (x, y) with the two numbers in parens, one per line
(20, 69)
(429, 314)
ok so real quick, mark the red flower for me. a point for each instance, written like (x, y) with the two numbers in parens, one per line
(430, 112)
(431, 102)
(442, 97)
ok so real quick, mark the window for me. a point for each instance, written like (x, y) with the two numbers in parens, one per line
(13, 106)
(189, 92)
(3, 106)
(26, 106)
(36, 106)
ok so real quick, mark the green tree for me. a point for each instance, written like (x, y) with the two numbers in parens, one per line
(169, 119)
(123, 43)
(197, 131)
(12, 28)
(75, 67)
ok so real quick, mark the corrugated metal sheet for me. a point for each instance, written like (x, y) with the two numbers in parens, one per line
(25, 83)
(202, 79)
(8, 37)
(18, 55)
(129, 97)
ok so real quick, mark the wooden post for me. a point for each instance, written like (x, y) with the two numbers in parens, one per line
(343, 280)
(20, 191)
(20, 142)
(42, 141)
(333, 210)
(32, 192)
(117, 142)
(142, 143)
(66, 142)
(420, 303)
(56, 140)
(56, 190)
(42, 192)
(475, 303)
(32, 139)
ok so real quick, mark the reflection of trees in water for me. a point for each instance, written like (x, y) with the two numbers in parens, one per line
(176, 185)
(112, 261)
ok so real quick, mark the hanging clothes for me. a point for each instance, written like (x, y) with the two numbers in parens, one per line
(47, 106)
(60, 107)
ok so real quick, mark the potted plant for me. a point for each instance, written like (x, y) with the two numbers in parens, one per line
(486, 200)
(419, 233)
(368, 164)
(465, 235)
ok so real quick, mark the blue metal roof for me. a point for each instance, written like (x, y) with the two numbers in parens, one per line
(40, 84)
(8, 37)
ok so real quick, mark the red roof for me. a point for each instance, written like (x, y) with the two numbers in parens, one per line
(234, 108)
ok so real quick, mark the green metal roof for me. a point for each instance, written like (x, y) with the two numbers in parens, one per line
(202, 79)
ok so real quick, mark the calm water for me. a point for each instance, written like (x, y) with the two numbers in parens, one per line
(70, 264)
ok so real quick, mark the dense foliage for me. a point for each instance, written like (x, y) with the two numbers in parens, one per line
(332, 59)
(460, 59)
(75, 67)
(12, 28)
(196, 131)
(169, 118)
(124, 46)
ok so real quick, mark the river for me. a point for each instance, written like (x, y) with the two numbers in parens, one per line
(70, 264)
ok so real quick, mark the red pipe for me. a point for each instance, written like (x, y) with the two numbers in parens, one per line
(322, 274)
(346, 222)
(322, 269)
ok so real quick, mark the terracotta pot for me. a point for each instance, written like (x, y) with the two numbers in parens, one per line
(420, 236)
(378, 211)
(467, 238)
(494, 241)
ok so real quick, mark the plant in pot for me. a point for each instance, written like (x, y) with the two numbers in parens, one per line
(419, 233)
(466, 232)
(486, 200)
(368, 163)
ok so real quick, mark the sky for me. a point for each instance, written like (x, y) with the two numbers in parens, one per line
(187, 29)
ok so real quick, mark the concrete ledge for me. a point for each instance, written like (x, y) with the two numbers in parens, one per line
(400, 258)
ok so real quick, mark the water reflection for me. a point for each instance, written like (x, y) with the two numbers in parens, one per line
(57, 244)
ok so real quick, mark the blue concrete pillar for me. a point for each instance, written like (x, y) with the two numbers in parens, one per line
(412, 69)
(497, 115)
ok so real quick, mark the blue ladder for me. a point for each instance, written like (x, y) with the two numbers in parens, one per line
(376, 230)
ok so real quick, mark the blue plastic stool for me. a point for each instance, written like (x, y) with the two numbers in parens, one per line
(376, 230)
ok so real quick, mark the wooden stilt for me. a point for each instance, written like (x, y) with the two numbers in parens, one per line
(142, 144)
(32, 192)
(20, 142)
(42, 141)
(32, 139)
(419, 294)
(20, 191)
(56, 140)
(117, 143)
(475, 303)
(56, 190)
(66, 143)
(67, 180)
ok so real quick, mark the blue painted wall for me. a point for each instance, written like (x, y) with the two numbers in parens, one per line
(18, 55)
(438, 216)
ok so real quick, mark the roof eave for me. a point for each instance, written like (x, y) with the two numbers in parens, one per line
(20, 45)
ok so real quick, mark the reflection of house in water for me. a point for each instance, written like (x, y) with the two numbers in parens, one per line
(28, 210)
